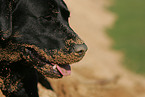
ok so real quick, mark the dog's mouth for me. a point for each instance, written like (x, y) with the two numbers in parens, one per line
(44, 66)
(65, 70)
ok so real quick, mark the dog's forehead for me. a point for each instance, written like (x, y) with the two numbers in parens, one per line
(58, 3)
(40, 7)
(61, 3)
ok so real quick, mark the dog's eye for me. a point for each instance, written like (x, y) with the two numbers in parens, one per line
(48, 18)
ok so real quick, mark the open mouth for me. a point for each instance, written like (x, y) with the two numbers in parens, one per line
(44, 66)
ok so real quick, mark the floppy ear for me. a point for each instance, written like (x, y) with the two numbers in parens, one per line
(5, 19)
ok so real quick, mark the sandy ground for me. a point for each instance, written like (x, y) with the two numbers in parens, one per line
(100, 73)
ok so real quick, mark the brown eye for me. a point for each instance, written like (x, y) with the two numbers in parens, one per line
(45, 18)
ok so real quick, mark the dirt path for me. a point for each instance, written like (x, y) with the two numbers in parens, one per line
(100, 73)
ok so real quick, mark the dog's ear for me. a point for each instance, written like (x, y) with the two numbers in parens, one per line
(5, 19)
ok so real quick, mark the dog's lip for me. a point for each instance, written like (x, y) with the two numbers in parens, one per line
(65, 70)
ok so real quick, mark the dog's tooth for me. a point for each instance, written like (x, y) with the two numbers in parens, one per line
(54, 67)
(26, 50)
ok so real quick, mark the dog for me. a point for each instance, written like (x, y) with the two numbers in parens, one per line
(36, 42)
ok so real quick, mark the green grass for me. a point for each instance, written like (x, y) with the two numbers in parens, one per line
(129, 32)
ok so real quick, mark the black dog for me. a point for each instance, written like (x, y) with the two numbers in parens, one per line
(36, 41)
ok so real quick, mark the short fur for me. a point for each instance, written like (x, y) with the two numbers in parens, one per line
(34, 34)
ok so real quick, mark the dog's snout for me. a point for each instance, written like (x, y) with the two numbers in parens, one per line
(80, 49)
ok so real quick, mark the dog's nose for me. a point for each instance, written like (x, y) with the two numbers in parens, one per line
(80, 49)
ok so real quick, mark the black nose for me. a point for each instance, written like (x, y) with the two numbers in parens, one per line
(80, 49)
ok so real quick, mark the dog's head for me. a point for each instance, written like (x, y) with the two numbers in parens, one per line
(38, 31)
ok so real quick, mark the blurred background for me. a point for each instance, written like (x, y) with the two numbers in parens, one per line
(128, 33)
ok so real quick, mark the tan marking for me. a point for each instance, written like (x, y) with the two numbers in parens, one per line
(58, 56)
(77, 41)
(1, 82)
(5, 34)
(17, 34)
(9, 54)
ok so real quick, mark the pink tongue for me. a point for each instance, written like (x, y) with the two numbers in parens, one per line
(65, 70)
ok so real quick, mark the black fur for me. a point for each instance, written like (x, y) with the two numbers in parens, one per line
(34, 35)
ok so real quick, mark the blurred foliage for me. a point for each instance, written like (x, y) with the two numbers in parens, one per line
(129, 32)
